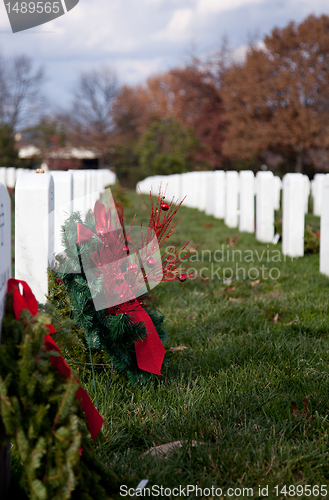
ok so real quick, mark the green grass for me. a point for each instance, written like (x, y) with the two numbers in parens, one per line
(253, 348)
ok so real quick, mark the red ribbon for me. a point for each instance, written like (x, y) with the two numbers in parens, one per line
(149, 351)
(28, 301)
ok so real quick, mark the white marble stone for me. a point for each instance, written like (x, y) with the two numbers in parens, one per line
(211, 194)
(79, 202)
(19, 171)
(63, 189)
(307, 190)
(203, 185)
(232, 198)
(3, 175)
(220, 190)
(277, 192)
(247, 201)
(265, 207)
(34, 231)
(324, 228)
(317, 193)
(293, 215)
(10, 177)
(5, 246)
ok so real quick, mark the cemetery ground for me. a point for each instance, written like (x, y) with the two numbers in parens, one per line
(246, 388)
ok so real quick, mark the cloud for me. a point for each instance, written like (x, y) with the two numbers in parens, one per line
(217, 6)
(178, 27)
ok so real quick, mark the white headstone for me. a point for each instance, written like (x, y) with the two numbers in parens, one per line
(293, 216)
(34, 231)
(63, 189)
(220, 194)
(5, 246)
(317, 193)
(247, 201)
(11, 177)
(324, 228)
(232, 198)
(307, 189)
(79, 202)
(19, 171)
(3, 175)
(265, 207)
(211, 194)
(277, 192)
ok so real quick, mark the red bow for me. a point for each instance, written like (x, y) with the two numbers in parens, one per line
(149, 351)
(28, 301)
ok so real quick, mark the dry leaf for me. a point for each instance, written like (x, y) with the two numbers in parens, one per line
(233, 299)
(254, 283)
(230, 289)
(306, 412)
(178, 348)
(164, 449)
(208, 224)
(276, 318)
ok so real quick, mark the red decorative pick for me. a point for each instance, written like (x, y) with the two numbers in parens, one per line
(182, 277)
(28, 301)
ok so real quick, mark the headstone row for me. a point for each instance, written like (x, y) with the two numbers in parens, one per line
(246, 201)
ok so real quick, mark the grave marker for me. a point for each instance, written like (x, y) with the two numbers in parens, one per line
(264, 207)
(220, 194)
(293, 216)
(232, 198)
(63, 189)
(247, 202)
(34, 231)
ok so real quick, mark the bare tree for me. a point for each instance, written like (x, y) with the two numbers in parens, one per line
(91, 118)
(21, 98)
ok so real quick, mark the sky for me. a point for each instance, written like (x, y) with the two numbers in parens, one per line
(138, 38)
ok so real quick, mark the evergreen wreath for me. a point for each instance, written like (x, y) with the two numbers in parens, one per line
(127, 335)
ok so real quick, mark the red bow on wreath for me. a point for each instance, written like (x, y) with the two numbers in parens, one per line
(108, 258)
(28, 301)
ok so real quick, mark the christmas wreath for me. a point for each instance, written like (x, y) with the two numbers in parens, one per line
(103, 279)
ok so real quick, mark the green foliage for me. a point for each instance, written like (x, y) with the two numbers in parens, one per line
(167, 148)
(311, 241)
(8, 153)
(100, 336)
(43, 418)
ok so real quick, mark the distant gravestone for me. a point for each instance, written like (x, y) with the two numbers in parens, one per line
(264, 207)
(293, 215)
(79, 202)
(247, 201)
(307, 190)
(324, 229)
(220, 194)
(211, 194)
(317, 193)
(34, 231)
(232, 198)
(277, 192)
(11, 177)
(3, 175)
(63, 190)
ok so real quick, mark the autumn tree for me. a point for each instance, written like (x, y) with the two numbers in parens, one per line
(187, 96)
(278, 98)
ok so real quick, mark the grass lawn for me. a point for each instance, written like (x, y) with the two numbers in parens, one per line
(256, 346)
